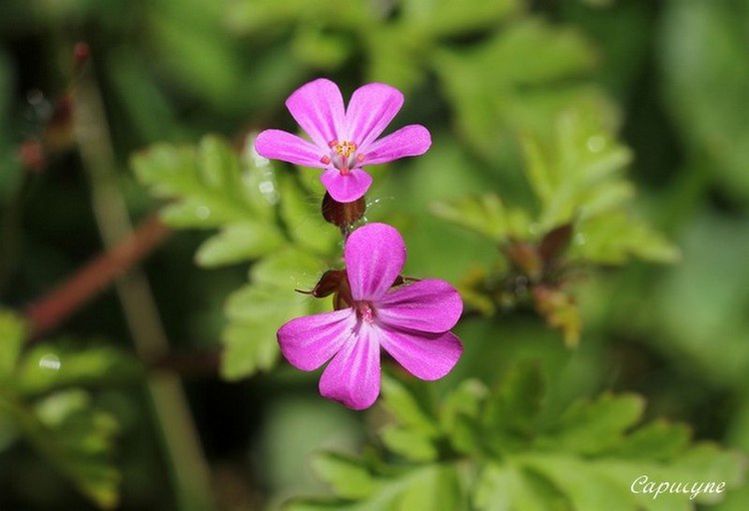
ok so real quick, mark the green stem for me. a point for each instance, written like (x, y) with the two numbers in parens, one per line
(189, 469)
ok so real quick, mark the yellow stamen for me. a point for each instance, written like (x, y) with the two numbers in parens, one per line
(344, 149)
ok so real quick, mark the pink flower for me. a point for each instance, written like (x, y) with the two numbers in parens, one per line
(410, 322)
(344, 141)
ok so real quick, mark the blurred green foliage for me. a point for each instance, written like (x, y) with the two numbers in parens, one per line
(537, 110)
(42, 400)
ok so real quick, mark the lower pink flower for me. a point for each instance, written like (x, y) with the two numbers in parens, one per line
(410, 322)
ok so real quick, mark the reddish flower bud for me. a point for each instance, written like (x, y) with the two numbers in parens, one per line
(554, 243)
(343, 214)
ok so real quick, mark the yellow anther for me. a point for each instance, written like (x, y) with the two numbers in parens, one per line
(344, 149)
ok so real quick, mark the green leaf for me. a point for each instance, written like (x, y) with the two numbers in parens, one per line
(288, 269)
(412, 444)
(405, 408)
(257, 310)
(412, 436)
(238, 242)
(63, 364)
(614, 238)
(432, 487)
(12, 336)
(483, 214)
(524, 455)
(511, 411)
(658, 440)
(593, 427)
(213, 187)
(75, 437)
(301, 214)
(447, 18)
(578, 167)
(508, 487)
(459, 412)
(347, 476)
(248, 347)
(84, 440)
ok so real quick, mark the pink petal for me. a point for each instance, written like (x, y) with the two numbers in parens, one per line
(282, 145)
(411, 140)
(353, 376)
(426, 356)
(374, 255)
(318, 108)
(426, 306)
(308, 342)
(370, 110)
(348, 187)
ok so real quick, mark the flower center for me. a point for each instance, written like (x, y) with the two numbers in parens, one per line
(365, 311)
(343, 156)
(343, 149)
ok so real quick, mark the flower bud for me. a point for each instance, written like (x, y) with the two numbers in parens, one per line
(343, 214)
(554, 243)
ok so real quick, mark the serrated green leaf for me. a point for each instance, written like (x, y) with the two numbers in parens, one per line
(212, 186)
(484, 214)
(169, 171)
(257, 310)
(585, 487)
(248, 347)
(581, 162)
(238, 242)
(412, 444)
(511, 411)
(348, 477)
(659, 440)
(586, 459)
(509, 488)
(594, 427)
(464, 401)
(433, 487)
(448, 18)
(615, 237)
(301, 214)
(589, 484)
(289, 269)
(405, 408)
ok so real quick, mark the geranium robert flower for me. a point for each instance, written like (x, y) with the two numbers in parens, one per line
(410, 322)
(344, 140)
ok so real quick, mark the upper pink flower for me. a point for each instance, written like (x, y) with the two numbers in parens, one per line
(410, 322)
(344, 140)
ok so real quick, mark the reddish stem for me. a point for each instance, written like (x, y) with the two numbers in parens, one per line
(67, 297)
